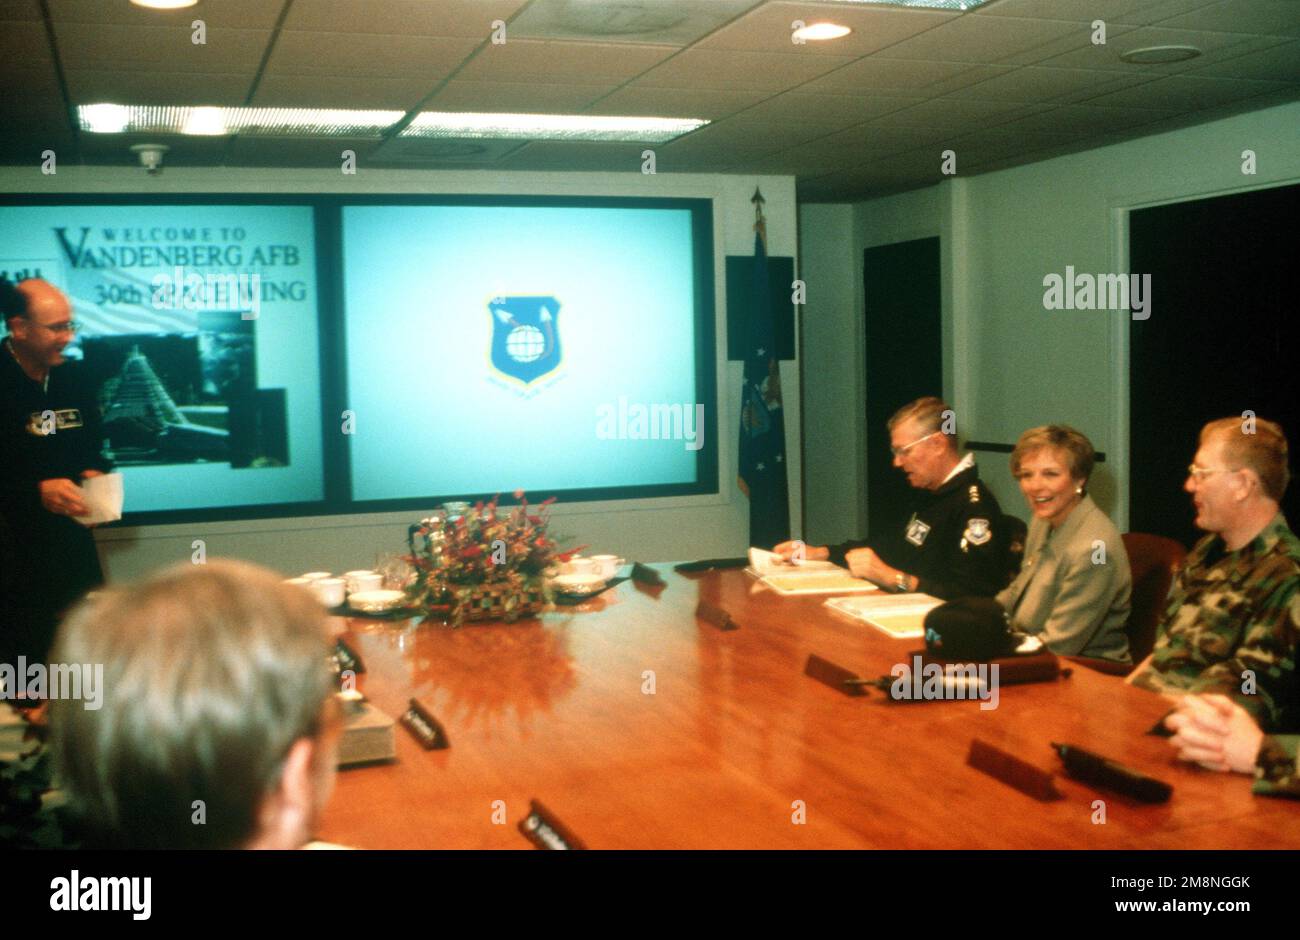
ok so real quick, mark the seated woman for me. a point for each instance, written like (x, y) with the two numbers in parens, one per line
(1074, 584)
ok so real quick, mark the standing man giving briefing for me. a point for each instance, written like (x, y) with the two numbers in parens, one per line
(50, 438)
(955, 543)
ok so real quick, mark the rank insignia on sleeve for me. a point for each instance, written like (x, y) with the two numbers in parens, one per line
(977, 531)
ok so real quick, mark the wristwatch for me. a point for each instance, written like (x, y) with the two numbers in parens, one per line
(903, 582)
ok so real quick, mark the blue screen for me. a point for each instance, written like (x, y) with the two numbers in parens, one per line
(496, 347)
(201, 323)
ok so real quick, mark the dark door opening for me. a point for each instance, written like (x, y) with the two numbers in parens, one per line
(1222, 338)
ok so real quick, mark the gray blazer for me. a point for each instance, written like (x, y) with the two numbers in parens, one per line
(1078, 606)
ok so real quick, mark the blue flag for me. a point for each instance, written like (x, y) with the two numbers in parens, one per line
(762, 420)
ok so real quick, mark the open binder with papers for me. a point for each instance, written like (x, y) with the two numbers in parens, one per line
(804, 577)
(900, 615)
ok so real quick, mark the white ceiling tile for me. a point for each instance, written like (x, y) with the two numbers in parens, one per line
(23, 44)
(700, 68)
(466, 19)
(889, 76)
(643, 100)
(1214, 46)
(1277, 63)
(842, 110)
(575, 62)
(12, 10)
(527, 98)
(1262, 17)
(367, 55)
(397, 92)
(1132, 12)
(955, 114)
(769, 28)
(110, 47)
(661, 22)
(1084, 120)
(982, 39)
(1037, 84)
(177, 88)
(1185, 93)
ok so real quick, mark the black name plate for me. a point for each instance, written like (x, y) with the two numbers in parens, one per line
(837, 677)
(643, 574)
(712, 614)
(420, 722)
(543, 830)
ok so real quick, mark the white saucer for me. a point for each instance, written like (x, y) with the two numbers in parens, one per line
(579, 583)
(375, 602)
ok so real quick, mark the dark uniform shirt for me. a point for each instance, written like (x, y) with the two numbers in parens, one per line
(1231, 623)
(47, 431)
(954, 543)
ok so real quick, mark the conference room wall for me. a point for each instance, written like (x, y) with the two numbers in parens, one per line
(1009, 363)
(650, 530)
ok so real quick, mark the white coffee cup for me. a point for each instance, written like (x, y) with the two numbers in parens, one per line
(318, 575)
(579, 565)
(606, 565)
(330, 591)
(363, 581)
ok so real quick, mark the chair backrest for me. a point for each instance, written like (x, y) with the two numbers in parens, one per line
(1016, 533)
(1153, 560)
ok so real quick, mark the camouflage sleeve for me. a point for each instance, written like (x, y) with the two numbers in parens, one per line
(1261, 672)
(1277, 769)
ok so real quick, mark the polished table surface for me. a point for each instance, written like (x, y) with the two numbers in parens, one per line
(736, 744)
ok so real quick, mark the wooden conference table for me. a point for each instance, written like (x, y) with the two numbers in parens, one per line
(735, 739)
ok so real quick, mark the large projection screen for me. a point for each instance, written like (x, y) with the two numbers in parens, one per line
(200, 319)
(555, 348)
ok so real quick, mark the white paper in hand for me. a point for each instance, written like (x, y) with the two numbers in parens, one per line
(103, 497)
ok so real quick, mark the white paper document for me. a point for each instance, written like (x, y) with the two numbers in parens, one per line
(900, 615)
(764, 563)
(103, 497)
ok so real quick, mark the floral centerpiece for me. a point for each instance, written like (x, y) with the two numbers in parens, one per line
(486, 563)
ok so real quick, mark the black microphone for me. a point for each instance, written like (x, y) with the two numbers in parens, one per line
(1099, 771)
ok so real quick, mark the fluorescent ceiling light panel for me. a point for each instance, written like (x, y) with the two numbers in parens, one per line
(470, 124)
(957, 5)
(165, 4)
(212, 121)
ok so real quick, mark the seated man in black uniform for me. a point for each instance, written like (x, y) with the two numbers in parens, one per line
(50, 439)
(954, 544)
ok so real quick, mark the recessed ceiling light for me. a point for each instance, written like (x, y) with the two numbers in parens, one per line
(1159, 55)
(819, 32)
(165, 4)
(549, 126)
(213, 121)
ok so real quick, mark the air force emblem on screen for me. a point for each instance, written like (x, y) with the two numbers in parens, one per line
(525, 337)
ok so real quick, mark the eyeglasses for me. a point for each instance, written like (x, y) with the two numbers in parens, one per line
(1200, 473)
(68, 327)
(899, 451)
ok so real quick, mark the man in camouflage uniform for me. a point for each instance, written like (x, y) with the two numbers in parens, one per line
(1219, 734)
(955, 544)
(1233, 613)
